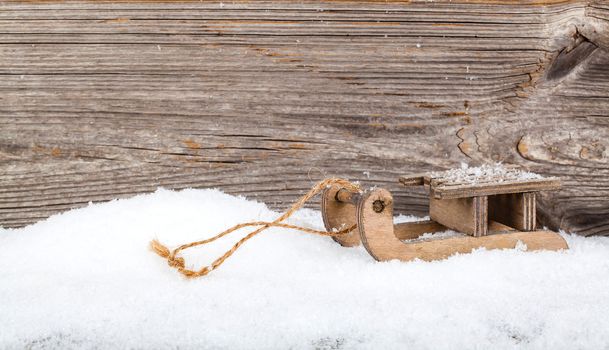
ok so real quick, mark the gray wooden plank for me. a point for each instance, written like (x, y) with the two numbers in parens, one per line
(101, 100)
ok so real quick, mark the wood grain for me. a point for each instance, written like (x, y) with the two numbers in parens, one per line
(413, 230)
(467, 215)
(516, 210)
(103, 100)
(340, 214)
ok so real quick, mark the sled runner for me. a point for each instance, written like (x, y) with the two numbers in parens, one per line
(487, 208)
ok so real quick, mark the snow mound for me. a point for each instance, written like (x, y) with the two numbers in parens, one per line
(86, 279)
(485, 173)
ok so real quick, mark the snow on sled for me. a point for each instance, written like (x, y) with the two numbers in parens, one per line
(492, 206)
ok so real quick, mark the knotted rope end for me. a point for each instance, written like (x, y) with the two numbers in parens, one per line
(179, 264)
(159, 249)
(164, 252)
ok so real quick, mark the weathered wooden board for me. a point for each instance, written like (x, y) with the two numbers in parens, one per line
(100, 100)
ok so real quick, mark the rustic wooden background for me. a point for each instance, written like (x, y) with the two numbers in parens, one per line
(101, 100)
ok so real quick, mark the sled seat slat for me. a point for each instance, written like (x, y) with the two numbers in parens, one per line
(444, 185)
(448, 191)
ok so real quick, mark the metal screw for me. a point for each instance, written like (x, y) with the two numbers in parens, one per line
(378, 205)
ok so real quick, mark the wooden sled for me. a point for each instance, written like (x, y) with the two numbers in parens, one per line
(491, 212)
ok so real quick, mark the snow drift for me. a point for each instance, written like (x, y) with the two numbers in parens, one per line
(86, 279)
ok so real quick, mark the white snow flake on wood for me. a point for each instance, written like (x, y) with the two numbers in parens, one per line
(435, 235)
(485, 173)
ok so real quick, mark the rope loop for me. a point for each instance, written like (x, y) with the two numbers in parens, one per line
(178, 262)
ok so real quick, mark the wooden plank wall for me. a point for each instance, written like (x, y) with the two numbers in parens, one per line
(101, 100)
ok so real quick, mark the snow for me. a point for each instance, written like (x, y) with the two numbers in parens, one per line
(435, 235)
(484, 173)
(86, 279)
(426, 236)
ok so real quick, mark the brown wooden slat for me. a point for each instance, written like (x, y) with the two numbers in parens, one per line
(493, 188)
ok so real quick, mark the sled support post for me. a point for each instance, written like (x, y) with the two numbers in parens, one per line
(514, 209)
(468, 215)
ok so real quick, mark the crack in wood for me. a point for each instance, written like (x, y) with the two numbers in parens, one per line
(571, 57)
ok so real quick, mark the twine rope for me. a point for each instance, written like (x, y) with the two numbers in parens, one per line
(177, 262)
